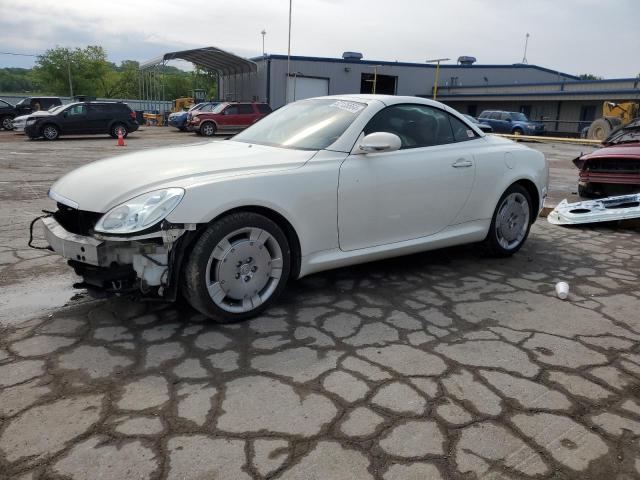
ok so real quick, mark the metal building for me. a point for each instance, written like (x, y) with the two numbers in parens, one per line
(314, 76)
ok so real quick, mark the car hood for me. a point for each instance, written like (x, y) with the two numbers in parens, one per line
(40, 113)
(101, 185)
(624, 151)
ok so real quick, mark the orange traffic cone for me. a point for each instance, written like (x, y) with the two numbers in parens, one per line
(120, 139)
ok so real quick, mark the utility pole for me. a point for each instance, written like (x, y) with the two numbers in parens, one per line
(526, 44)
(263, 33)
(69, 72)
(435, 83)
(286, 85)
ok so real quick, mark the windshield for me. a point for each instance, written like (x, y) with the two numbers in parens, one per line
(305, 125)
(518, 117)
(198, 106)
(219, 107)
(470, 118)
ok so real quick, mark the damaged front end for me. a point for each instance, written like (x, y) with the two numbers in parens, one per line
(145, 264)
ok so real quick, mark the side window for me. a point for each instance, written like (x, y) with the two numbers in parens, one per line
(76, 110)
(264, 108)
(231, 110)
(461, 132)
(245, 109)
(416, 125)
(484, 114)
(505, 116)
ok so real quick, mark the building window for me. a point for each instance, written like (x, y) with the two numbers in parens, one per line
(385, 84)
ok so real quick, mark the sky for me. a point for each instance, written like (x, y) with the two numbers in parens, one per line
(573, 36)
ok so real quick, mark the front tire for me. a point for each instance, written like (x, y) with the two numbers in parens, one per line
(50, 132)
(517, 131)
(208, 129)
(237, 268)
(511, 222)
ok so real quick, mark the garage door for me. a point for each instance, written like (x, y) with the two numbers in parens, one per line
(304, 87)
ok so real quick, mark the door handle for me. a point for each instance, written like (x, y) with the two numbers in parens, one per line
(461, 163)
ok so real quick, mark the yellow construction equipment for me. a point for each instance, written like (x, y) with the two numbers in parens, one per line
(613, 116)
(183, 103)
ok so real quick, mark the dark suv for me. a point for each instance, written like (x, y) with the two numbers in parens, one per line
(24, 107)
(83, 118)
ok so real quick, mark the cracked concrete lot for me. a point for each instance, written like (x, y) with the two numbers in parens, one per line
(443, 365)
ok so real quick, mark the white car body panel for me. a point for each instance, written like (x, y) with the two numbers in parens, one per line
(344, 208)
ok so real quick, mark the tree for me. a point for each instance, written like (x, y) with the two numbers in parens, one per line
(589, 76)
(87, 68)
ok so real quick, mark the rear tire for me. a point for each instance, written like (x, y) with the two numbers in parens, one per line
(510, 224)
(208, 129)
(50, 132)
(5, 122)
(237, 268)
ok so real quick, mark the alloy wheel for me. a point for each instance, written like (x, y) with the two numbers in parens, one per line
(244, 269)
(512, 220)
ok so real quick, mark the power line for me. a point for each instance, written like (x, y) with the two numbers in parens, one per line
(18, 54)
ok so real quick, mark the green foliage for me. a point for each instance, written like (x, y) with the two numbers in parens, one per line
(92, 74)
(17, 80)
(589, 76)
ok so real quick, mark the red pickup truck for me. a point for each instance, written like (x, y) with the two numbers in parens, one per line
(227, 117)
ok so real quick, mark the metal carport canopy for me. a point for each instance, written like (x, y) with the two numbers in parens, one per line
(212, 59)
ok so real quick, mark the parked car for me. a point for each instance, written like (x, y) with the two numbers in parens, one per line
(179, 119)
(485, 127)
(227, 117)
(25, 106)
(515, 123)
(201, 107)
(7, 114)
(82, 118)
(613, 169)
(229, 227)
(19, 124)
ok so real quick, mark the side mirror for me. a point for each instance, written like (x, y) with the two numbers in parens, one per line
(379, 142)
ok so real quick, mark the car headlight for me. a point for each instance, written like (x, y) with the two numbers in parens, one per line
(31, 121)
(140, 212)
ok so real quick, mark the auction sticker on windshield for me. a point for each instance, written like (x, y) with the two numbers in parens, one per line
(353, 107)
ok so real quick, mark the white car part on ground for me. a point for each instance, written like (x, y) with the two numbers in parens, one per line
(608, 209)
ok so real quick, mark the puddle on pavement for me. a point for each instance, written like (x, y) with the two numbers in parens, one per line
(35, 297)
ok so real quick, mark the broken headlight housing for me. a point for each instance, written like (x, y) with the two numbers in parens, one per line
(141, 212)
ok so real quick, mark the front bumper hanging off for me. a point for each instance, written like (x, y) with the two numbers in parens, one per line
(146, 265)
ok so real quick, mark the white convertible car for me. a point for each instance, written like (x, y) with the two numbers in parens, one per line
(318, 184)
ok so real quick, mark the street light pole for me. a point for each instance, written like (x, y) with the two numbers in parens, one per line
(435, 83)
(286, 86)
(69, 72)
(263, 33)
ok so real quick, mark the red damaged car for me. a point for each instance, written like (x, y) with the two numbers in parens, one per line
(227, 117)
(614, 169)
